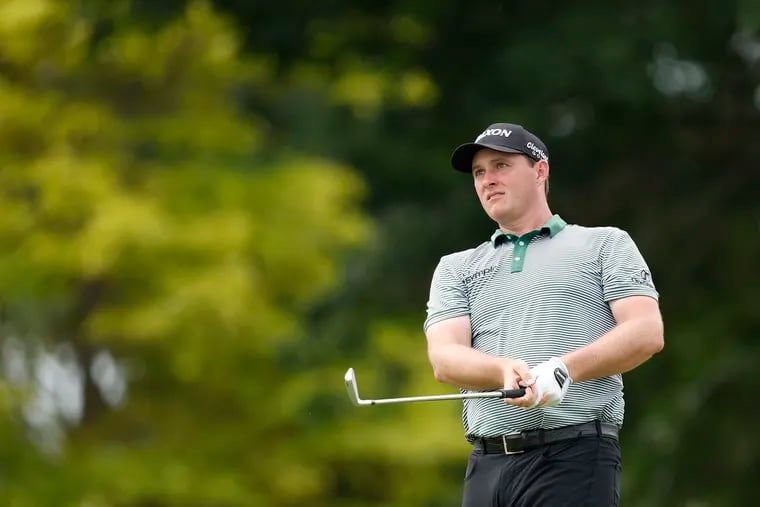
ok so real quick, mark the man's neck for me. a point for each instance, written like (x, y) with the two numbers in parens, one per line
(526, 223)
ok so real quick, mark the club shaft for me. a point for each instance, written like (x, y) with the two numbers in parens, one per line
(353, 394)
(440, 397)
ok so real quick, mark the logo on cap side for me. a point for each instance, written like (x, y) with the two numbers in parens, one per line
(494, 132)
(537, 152)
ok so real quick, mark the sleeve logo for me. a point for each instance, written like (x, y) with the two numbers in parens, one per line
(643, 277)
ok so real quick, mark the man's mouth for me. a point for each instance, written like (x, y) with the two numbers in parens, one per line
(494, 195)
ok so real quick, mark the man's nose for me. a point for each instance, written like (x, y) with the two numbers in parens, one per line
(489, 179)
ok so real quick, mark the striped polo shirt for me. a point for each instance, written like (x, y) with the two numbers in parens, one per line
(536, 296)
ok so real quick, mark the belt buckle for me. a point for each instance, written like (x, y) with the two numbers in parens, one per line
(506, 447)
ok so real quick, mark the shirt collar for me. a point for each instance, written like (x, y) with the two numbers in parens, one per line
(554, 225)
(551, 227)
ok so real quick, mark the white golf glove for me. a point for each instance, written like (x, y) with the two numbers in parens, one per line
(552, 378)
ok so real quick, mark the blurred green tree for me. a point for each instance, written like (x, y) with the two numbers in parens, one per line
(157, 257)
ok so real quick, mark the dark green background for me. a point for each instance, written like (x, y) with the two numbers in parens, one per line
(650, 111)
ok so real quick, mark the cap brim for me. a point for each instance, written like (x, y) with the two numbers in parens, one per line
(461, 159)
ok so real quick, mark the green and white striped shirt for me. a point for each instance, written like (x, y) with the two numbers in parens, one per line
(535, 296)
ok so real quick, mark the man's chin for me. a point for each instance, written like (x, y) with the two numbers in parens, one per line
(502, 214)
(498, 214)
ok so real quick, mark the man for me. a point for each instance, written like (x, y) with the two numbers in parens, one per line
(562, 310)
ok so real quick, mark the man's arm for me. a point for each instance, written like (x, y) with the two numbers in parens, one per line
(637, 336)
(455, 362)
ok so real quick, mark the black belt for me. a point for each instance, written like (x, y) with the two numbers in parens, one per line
(521, 442)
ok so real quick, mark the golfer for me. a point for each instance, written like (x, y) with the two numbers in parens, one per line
(558, 308)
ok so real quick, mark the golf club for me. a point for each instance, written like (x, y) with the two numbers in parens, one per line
(353, 394)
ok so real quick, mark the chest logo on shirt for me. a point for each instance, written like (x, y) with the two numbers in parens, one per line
(478, 275)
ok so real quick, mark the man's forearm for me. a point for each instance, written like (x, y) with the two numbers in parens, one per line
(622, 349)
(467, 368)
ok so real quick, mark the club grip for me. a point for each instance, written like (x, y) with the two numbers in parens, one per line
(512, 393)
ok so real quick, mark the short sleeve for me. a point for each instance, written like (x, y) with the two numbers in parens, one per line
(624, 271)
(448, 298)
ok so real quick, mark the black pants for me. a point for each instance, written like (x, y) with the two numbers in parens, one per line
(583, 472)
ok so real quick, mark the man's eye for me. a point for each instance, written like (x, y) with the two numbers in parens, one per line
(501, 165)
(479, 172)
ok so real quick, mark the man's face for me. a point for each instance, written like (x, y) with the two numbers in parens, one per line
(506, 183)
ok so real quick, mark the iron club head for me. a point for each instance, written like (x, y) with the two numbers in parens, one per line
(353, 389)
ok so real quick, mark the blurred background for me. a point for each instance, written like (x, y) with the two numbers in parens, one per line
(209, 210)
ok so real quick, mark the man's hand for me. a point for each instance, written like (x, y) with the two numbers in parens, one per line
(551, 382)
(518, 374)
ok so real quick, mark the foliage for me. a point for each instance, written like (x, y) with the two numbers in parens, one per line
(142, 216)
(207, 217)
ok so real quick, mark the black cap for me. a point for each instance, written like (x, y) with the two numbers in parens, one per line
(504, 137)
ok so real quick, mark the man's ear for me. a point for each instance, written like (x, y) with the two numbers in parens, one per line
(542, 171)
